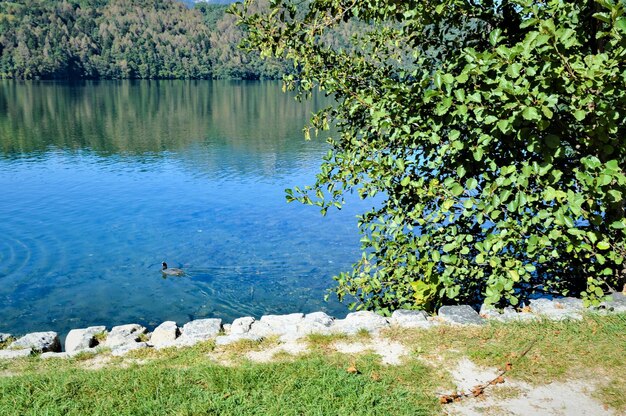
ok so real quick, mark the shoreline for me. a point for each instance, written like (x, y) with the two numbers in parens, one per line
(122, 339)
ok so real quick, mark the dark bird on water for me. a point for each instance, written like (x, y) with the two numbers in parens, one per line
(171, 271)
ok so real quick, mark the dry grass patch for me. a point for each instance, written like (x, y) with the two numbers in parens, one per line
(324, 341)
(558, 350)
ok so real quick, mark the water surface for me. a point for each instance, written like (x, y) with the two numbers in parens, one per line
(103, 181)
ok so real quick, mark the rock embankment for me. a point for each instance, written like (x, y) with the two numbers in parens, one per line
(124, 338)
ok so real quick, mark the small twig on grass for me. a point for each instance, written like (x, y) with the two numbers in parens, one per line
(479, 389)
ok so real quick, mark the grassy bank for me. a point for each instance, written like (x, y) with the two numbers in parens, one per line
(321, 381)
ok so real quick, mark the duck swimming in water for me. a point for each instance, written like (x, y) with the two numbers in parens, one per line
(171, 271)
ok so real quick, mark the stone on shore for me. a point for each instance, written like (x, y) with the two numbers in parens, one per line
(124, 349)
(241, 325)
(4, 337)
(313, 323)
(319, 318)
(617, 303)
(11, 354)
(67, 354)
(270, 325)
(39, 342)
(230, 339)
(558, 309)
(199, 330)
(357, 321)
(282, 324)
(461, 314)
(405, 318)
(124, 334)
(79, 339)
(165, 333)
(505, 315)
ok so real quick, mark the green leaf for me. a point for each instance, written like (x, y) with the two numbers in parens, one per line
(437, 80)
(616, 195)
(514, 70)
(490, 119)
(449, 247)
(549, 193)
(457, 189)
(514, 275)
(405, 181)
(603, 245)
(504, 125)
(531, 113)
(447, 79)
(579, 115)
(494, 36)
(612, 165)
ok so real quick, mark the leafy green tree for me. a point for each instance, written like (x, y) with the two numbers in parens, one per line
(490, 131)
(102, 39)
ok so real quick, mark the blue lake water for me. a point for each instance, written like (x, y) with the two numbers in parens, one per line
(102, 181)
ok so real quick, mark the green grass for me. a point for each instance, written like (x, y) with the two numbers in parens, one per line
(313, 385)
(188, 381)
(324, 341)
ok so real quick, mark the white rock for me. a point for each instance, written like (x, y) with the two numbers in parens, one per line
(124, 334)
(241, 325)
(505, 315)
(460, 314)
(39, 342)
(320, 318)
(78, 339)
(262, 329)
(11, 354)
(283, 323)
(313, 323)
(199, 330)
(226, 328)
(124, 349)
(229, 339)
(558, 309)
(616, 303)
(4, 337)
(363, 320)
(270, 325)
(166, 332)
(405, 318)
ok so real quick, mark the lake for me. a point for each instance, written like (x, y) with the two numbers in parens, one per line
(102, 181)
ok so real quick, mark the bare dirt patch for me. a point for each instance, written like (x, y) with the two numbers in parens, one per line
(568, 398)
(390, 352)
(267, 355)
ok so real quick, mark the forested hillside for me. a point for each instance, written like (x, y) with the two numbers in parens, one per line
(148, 39)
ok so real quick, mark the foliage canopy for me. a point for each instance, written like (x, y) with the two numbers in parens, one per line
(70, 39)
(492, 130)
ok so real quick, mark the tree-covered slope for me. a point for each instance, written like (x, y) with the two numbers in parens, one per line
(149, 39)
